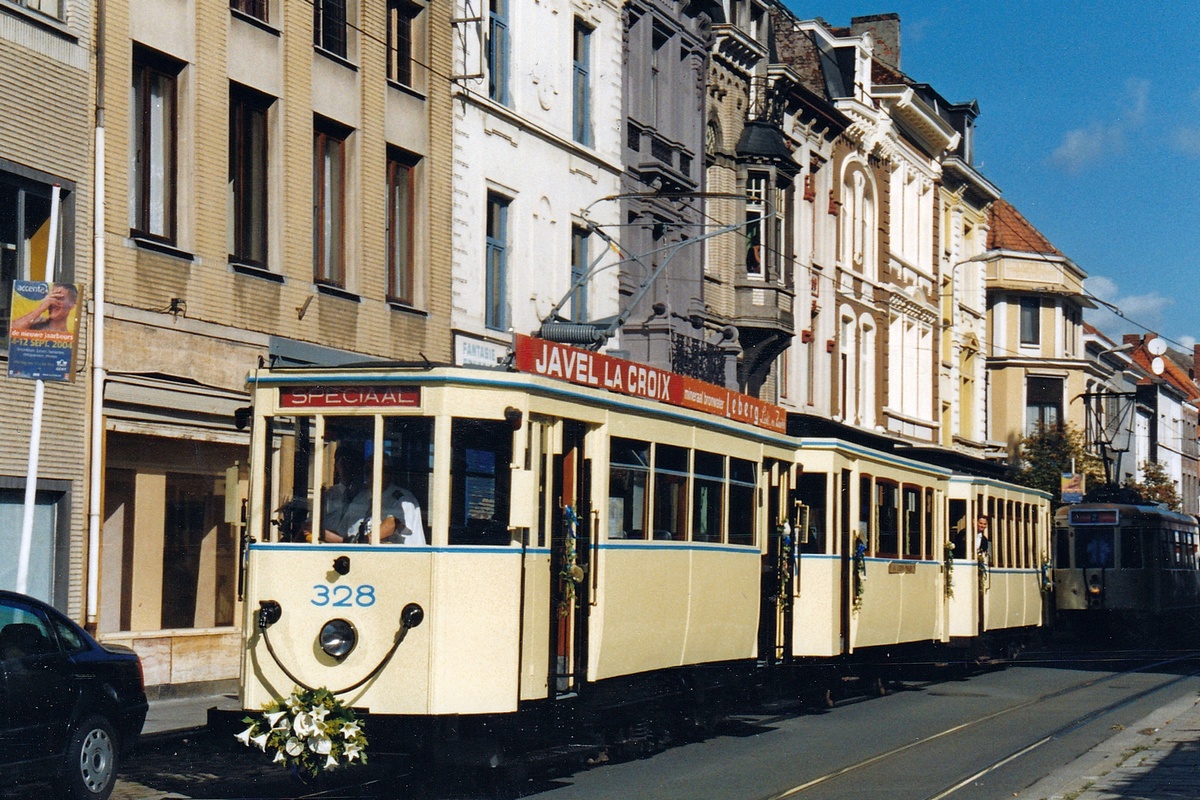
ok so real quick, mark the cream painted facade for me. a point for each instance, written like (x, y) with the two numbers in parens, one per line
(283, 144)
(46, 139)
(1036, 366)
(537, 149)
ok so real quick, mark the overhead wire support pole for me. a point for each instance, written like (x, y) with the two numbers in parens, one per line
(615, 323)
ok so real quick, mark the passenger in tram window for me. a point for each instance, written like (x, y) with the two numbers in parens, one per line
(983, 544)
(346, 506)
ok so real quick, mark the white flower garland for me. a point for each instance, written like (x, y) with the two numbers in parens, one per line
(310, 731)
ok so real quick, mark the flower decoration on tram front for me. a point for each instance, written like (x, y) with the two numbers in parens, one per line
(309, 732)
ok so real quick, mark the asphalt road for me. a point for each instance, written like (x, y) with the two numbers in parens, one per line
(990, 735)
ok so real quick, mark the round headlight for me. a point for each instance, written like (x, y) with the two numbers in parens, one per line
(338, 638)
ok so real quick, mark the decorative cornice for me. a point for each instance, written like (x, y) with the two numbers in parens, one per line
(732, 44)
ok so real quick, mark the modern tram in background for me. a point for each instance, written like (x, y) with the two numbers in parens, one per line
(1126, 569)
(609, 550)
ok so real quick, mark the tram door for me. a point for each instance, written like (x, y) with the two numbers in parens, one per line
(778, 574)
(572, 535)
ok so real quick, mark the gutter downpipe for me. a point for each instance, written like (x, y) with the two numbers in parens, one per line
(96, 466)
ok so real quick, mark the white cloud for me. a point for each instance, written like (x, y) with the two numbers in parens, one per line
(1082, 147)
(1138, 312)
(1186, 140)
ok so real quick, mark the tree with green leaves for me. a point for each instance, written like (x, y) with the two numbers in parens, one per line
(1156, 486)
(1048, 453)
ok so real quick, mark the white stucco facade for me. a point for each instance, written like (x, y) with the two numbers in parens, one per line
(518, 147)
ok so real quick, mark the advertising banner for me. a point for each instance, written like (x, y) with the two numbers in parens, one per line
(43, 331)
(1072, 487)
(583, 367)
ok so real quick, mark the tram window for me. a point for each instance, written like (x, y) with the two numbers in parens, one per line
(670, 492)
(481, 452)
(865, 501)
(708, 497)
(888, 500)
(291, 500)
(1131, 548)
(1094, 548)
(407, 465)
(346, 479)
(1062, 548)
(629, 466)
(958, 527)
(930, 551)
(812, 488)
(740, 516)
(1169, 548)
(912, 522)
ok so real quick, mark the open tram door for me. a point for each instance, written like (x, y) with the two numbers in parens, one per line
(778, 583)
(572, 534)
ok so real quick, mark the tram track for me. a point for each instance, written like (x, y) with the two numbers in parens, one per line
(997, 763)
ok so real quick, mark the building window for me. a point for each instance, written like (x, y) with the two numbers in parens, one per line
(579, 271)
(24, 238)
(1031, 320)
(659, 38)
(496, 312)
(581, 87)
(402, 16)
(51, 8)
(401, 201)
(155, 84)
(253, 8)
(247, 188)
(497, 51)
(329, 203)
(1043, 403)
(329, 26)
(756, 193)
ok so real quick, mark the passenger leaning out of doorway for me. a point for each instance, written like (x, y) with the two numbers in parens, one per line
(983, 544)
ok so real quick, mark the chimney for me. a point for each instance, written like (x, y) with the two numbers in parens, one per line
(885, 30)
(1131, 338)
(1195, 361)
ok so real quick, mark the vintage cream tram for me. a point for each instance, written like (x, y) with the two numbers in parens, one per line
(582, 543)
(585, 540)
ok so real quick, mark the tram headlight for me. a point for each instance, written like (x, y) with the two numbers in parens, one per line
(338, 637)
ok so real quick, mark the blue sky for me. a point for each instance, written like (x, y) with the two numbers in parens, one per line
(1089, 124)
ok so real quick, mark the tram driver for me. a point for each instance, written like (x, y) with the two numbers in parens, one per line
(346, 509)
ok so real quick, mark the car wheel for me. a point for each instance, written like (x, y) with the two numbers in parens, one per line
(90, 769)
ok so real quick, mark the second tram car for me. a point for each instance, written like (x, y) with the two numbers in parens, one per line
(1126, 568)
(472, 552)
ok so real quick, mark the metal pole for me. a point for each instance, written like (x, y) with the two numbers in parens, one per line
(35, 426)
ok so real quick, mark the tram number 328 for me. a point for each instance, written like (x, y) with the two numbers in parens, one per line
(343, 596)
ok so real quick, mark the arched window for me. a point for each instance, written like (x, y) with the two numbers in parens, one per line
(857, 249)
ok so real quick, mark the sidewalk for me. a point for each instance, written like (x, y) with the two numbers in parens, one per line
(1156, 759)
(180, 714)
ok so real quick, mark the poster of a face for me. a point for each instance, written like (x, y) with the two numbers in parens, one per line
(43, 331)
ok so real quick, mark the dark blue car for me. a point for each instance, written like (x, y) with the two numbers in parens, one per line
(70, 708)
